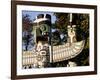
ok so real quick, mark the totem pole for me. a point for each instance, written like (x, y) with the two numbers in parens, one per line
(45, 53)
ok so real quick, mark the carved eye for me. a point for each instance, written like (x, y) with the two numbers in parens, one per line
(44, 27)
(43, 52)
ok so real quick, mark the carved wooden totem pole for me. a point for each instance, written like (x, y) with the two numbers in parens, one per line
(44, 53)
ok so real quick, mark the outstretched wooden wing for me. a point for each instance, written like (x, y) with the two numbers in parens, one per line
(67, 51)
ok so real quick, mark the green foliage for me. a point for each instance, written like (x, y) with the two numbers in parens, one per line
(56, 38)
(62, 20)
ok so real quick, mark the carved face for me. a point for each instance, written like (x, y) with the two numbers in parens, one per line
(42, 56)
(42, 53)
(42, 45)
(71, 31)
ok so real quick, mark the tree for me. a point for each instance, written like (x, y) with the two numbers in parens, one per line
(26, 22)
(56, 38)
(62, 21)
(27, 28)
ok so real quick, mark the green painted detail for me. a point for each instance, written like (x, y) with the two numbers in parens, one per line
(44, 28)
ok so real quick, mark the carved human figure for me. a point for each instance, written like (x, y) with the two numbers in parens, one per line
(71, 33)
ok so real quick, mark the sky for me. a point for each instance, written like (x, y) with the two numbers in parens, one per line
(33, 14)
